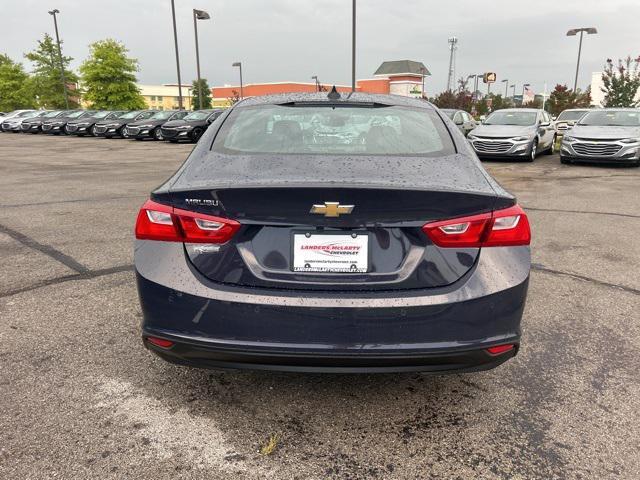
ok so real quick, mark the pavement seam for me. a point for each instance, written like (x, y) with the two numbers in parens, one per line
(91, 274)
(77, 200)
(48, 250)
(536, 209)
(541, 268)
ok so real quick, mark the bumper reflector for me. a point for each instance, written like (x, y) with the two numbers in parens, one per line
(160, 342)
(498, 349)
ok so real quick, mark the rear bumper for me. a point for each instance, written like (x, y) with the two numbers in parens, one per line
(204, 353)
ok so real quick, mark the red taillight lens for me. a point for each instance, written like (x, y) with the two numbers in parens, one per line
(507, 227)
(161, 222)
(498, 349)
(160, 342)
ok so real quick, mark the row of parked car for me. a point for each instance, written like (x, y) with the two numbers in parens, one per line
(603, 135)
(171, 125)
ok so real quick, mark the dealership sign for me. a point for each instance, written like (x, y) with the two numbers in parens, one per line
(489, 77)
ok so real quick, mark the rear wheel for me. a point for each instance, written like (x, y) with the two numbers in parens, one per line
(157, 134)
(533, 151)
(552, 147)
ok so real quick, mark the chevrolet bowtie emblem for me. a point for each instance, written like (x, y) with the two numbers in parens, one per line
(332, 209)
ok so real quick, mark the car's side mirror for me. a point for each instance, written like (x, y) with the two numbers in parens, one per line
(545, 124)
(571, 123)
(459, 121)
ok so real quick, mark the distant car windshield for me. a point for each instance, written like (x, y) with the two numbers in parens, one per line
(522, 119)
(101, 114)
(133, 114)
(449, 113)
(55, 113)
(29, 113)
(197, 116)
(571, 115)
(75, 114)
(347, 130)
(162, 115)
(612, 118)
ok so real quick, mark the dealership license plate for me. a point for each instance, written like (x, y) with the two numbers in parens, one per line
(330, 253)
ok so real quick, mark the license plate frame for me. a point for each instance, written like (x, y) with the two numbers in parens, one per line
(343, 262)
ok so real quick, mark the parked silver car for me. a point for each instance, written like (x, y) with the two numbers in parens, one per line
(514, 133)
(610, 135)
(568, 118)
(14, 124)
(462, 119)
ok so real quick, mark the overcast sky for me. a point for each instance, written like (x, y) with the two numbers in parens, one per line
(277, 40)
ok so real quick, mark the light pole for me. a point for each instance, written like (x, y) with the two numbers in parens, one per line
(524, 87)
(573, 32)
(175, 40)
(513, 93)
(239, 65)
(353, 46)
(453, 42)
(475, 87)
(315, 77)
(506, 87)
(423, 71)
(198, 15)
(64, 82)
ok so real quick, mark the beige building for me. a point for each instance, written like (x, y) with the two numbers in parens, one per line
(165, 96)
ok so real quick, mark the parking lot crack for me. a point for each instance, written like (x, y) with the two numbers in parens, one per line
(541, 268)
(48, 250)
(88, 275)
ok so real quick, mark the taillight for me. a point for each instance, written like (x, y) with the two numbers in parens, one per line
(507, 227)
(500, 349)
(161, 222)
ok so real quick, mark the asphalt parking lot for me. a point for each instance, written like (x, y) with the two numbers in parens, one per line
(81, 397)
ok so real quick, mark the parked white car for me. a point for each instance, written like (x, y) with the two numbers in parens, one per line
(568, 118)
(15, 113)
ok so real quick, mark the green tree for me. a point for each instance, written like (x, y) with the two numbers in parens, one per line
(621, 83)
(562, 98)
(45, 79)
(15, 87)
(206, 95)
(108, 77)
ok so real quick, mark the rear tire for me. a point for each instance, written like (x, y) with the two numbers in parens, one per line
(533, 151)
(551, 149)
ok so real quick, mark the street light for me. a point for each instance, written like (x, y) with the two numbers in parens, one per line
(239, 65)
(423, 71)
(506, 87)
(524, 87)
(175, 40)
(475, 87)
(315, 77)
(573, 32)
(64, 82)
(513, 93)
(199, 15)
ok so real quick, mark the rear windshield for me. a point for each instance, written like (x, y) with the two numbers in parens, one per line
(344, 130)
(570, 115)
(522, 119)
(609, 118)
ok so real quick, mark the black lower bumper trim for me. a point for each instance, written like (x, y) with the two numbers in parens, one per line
(215, 356)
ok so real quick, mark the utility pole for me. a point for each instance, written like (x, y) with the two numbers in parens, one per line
(453, 42)
(64, 81)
